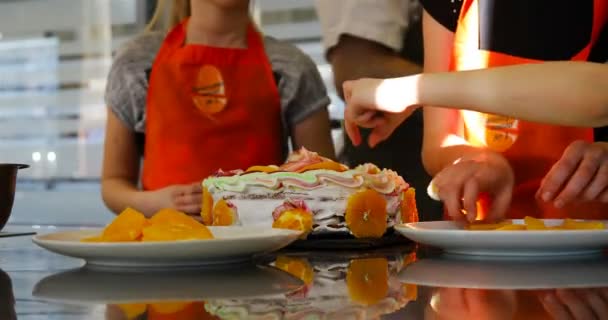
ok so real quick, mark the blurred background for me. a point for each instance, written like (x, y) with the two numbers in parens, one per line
(54, 59)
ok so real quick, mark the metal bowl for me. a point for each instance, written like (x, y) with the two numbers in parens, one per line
(8, 179)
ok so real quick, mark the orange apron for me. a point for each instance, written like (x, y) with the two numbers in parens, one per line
(531, 148)
(209, 108)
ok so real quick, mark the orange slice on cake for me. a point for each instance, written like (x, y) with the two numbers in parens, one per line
(409, 211)
(366, 214)
(224, 213)
(327, 165)
(207, 207)
(267, 169)
(132, 310)
(295, 219)
(367, 280)
(298, 267)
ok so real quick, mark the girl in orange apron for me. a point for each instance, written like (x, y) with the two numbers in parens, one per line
(208, 107)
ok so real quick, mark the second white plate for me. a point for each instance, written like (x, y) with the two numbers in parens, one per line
(450, 237)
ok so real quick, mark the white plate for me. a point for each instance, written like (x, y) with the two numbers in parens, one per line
(86, 286)
(442, 272)
(450, 237)
(231, 245)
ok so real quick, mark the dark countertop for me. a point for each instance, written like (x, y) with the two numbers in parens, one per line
(390, 283)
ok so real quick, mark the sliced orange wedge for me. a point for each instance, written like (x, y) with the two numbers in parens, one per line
(366, 214)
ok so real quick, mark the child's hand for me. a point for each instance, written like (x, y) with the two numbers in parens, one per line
(581, 173)
(185, 198)
(381, 105)
(460, 185)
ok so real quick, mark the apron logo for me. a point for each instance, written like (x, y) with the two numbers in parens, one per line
(495, 132)
(208, 93)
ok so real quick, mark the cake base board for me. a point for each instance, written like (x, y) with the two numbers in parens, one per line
(346, 241)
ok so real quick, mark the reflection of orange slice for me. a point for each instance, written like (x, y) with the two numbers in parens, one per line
(409, 211)
(224, 213)
(367, 280)
(207, 207)
(127, 226)
(410, 291)
(132, 310)
(327, 165)
(178, 311)
(300, 268)
(366, 214)
(267, 169)
(295, 219)
(209, 92)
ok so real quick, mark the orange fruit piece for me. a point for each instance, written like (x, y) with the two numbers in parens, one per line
(410, 291)
(93, 239)
(295, 219)
(174, 217)
(486, 226)
(327, 165)
(571, 224)
(367, 280)
(163, 232)
(224, 213)
(534, 224)
(132, 310)
(512, 227)
(178, 311)
(298, 267)
(366, 214)
(409, 211)
(207, 207)
(267, 169)
(127, 226)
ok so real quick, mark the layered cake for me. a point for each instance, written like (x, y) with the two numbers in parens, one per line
(313, 194)
(344, 288)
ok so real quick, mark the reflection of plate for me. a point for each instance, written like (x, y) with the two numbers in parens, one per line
(90, 286)
(507, 274)
(450, 237)
(231, 244)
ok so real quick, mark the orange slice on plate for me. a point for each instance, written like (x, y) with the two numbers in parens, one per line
(127, 226)
(174, 217)
(298, 267)
(163, 232)
(224, 213)
(366, 214)
(295, 219)
(367, 280)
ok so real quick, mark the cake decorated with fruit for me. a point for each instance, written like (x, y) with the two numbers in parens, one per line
(338, 288)
(313, 194)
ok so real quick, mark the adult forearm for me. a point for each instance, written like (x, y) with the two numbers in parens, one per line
(565, 93)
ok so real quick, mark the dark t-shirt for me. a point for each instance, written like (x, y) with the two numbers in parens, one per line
(548, 30)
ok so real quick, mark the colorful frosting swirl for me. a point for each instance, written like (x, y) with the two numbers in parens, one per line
(293, 174)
